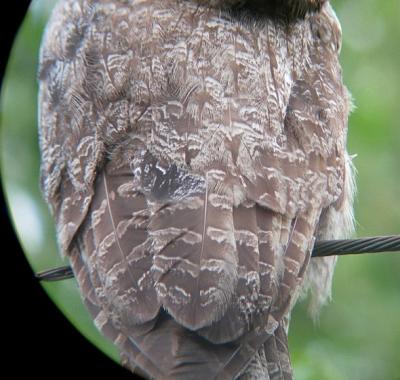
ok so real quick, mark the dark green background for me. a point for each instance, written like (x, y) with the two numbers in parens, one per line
(358, 333)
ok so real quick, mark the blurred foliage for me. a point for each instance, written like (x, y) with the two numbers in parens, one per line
(358, 334)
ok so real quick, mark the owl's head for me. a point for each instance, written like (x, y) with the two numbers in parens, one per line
(283, 9)
(297, 8)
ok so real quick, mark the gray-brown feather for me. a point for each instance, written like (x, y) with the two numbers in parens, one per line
(190, 156)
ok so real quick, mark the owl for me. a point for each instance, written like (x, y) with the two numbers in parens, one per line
(192, 152)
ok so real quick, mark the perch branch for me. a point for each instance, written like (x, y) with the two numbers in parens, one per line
(378, 244)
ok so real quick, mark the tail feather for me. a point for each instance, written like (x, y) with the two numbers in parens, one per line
(277, 355)
(272, 360)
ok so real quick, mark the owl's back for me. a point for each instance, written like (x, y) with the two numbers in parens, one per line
(187, 155)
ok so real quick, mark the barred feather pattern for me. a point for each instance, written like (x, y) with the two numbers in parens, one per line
(191, 155)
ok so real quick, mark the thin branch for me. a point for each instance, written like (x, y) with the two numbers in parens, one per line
(378, 244)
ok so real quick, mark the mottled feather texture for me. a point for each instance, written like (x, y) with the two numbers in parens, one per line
(192, 152)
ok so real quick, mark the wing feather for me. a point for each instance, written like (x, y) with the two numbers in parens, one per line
(193, 247)
(118, 245)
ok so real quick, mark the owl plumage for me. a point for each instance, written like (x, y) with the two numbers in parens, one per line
(192, 152)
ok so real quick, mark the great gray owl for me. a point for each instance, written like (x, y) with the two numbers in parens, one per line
(192, 152)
